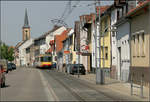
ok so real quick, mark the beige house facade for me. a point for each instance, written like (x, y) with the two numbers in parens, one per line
(140, 43)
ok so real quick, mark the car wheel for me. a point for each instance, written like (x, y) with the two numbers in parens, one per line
(83, 73)
(7, 71)
(2, 85)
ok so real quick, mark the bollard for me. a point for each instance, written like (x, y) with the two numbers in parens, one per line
(131, 87)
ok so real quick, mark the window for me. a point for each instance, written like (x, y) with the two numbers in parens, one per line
(113, 34)
(105, 24)
(134, 46)
(27, 50)
(113, 42)
(71, 56)
(26, 36)
(142, 44)
(71, 38)
(138, 45)
(106, 53)
(118, 13)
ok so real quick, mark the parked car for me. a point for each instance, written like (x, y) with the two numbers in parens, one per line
(74, 68)
(13, 66)
(9, 67)
(54, 65)
(4, 63)
(2, 76)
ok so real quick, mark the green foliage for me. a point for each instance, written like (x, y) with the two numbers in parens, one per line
(6, 52)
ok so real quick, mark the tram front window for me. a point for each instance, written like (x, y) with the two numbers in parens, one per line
(46, 59)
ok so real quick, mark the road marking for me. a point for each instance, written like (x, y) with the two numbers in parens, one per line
(48, 89)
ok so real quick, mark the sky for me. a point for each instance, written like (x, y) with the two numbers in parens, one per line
(40, 14)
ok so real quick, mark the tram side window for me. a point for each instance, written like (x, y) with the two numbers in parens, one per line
(42, 59)
(49, 58)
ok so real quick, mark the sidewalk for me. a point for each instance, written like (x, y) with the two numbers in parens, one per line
(117, 86)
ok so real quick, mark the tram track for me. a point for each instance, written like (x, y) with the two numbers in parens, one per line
(103, 92)
(78, 97)
(61, 78)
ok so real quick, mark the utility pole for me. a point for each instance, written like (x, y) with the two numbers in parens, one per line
(79, 25)
(99, 71)
(97, 77)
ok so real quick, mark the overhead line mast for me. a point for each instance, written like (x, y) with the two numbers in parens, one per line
(99, 71)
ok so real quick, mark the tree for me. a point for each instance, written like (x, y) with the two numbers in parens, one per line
(6, 52)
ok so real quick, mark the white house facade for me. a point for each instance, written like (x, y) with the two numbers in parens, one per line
(123, 50)
(22, 52)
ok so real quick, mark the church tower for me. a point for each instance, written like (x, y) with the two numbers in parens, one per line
(26, 28)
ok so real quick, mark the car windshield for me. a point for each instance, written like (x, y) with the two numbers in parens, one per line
(9, 65)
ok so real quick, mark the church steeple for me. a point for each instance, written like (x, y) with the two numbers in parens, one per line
(26, 28)
(26, 21)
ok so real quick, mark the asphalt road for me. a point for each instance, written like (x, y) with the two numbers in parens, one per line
(25, 84)
(30, 84)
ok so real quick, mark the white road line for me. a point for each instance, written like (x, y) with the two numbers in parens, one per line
(48, 89)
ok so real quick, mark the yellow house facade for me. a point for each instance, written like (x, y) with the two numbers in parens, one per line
(105, 42)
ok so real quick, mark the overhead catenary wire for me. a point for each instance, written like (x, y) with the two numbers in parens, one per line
(68, 10)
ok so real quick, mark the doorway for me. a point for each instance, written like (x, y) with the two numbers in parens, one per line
(119, 59)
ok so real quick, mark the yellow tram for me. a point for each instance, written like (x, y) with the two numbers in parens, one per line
(43, 61)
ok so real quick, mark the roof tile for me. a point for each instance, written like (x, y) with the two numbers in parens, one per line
(60, 38)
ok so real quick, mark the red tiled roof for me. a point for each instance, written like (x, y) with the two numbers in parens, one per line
(60, 38)
(102, 8)
(92, 15)
(49, 50)
(87, 18)
(138, 7)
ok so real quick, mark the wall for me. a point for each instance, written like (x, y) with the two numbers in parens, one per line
(24, 33)
(137, 24)
(22, 51)
(51, 37)
(107, 40)
(113, 44)
(140, 62)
